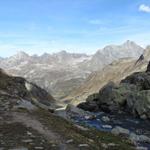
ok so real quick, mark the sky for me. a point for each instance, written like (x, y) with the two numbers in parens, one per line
(81, 26)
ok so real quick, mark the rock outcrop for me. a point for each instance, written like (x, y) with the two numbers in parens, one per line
(132, 95)
(16, 91)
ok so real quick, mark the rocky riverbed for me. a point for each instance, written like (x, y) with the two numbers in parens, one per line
(124, 125)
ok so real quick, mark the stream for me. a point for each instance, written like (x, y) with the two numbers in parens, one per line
(134, 125)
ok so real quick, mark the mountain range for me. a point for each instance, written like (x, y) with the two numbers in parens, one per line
(114, 72)
(63, 72)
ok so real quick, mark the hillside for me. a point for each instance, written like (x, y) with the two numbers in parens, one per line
(115, 72)
(27, 122)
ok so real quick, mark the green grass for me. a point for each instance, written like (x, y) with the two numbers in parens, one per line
(92, 137)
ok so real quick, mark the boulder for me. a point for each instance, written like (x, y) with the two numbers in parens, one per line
(142, 104)
(107, 126)
(141, 148)
(140, 79)
(93, 97)
(73, 111)
(89, 106)
(105, 119)
(132, 95)
(120, 131)
(139, 138)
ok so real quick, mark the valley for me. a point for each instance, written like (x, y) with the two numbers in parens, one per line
(61, 73)
(75, 108)
(74, 75)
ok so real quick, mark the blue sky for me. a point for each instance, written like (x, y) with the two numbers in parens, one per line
(38, 26)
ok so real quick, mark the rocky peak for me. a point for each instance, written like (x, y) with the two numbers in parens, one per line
(45, 55)
(129, 44)
(63, 52)
(21, 55)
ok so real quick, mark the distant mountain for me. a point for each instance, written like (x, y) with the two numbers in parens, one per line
(51, 72)
(1, 58)
(110, 53)
(60, 73)
(115, 72)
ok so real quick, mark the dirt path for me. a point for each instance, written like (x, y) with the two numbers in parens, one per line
(42, 129)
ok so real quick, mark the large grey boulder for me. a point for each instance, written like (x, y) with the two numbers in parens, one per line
(132, 95)
(120, 131)
(139, 138)
(73, 111)
(142, 104)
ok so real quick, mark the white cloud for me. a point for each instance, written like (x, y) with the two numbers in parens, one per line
(144, 8)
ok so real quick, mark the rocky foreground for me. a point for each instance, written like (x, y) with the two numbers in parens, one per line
(28, 122)
(126, 108)
(132, 95)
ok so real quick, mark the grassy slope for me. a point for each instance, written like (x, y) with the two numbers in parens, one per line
(91, 137)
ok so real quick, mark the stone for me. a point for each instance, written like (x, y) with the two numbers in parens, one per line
(27, 141)
(141, 106)
(105, 119)
(25, 104)
(83, 145)
(29, 133)
(89, 106)
(107, 126)
(112, 145)
(75, 111)
(144, 138)
(104, 145)
(91, 117)
(93, 97)
(144, 117)
(81, 127)
(133, 137)
(69, 141)
(132, 96)
(139, 138)
(141, 148)
(38, 148)
(119, 130)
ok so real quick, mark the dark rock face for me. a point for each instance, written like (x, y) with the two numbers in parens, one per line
(89, 106)
(148, 68)
(16, 89)
(141, 58)
(132, 95)
(140, 79)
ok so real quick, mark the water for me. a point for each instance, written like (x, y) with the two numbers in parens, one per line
(138, 126)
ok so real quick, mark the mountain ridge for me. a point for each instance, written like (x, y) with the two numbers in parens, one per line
(63, 69)
(115, 72)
